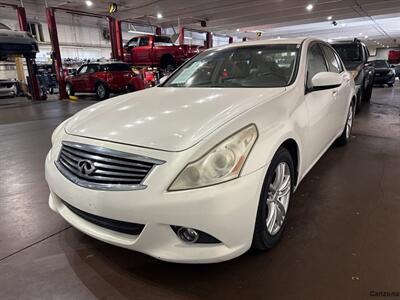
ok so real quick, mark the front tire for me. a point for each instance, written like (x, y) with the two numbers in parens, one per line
(102, 92)
(69, 89)
(348, 127)
(274, 201)
(368, 94)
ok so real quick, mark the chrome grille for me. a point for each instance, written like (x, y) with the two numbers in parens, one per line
(102, 168)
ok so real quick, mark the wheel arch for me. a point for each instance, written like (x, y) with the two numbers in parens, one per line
(292, 146)
(165, 58)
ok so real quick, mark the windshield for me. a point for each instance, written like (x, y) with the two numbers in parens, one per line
(349, 52)
(117, 67)
(251, 66)
(380, 64)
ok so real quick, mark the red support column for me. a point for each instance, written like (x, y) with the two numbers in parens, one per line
(158, 30)
(209, 40)
(119, 42)
(113, 39)
(51, 23)
(34, 84)
(181, 37)
(21, 16)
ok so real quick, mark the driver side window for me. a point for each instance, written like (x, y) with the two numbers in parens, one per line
(315, 63)
(82, 70)
(132, 43)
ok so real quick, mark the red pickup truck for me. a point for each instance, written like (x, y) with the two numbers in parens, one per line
(157, 51)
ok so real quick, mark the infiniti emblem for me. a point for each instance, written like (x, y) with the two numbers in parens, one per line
(86, 167)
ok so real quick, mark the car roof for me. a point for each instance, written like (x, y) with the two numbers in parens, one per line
(280, 41)
(105, 63)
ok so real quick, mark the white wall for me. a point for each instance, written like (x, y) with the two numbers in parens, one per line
(382, 53)
(76, 41)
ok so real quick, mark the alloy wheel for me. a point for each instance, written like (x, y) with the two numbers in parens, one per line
(68, 89)
(101, 91)
(278, 198)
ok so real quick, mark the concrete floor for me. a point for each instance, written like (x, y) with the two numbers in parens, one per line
(342, 240)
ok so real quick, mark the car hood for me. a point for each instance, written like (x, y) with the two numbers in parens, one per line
(170, 119)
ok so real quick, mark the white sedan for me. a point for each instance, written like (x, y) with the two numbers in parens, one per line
(203, 167)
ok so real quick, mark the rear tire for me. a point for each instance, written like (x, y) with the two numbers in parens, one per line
(69, 89)
(274, 201)
(102, 92)
(130, 88)
(346, 134)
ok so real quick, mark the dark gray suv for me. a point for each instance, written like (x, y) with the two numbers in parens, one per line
(355, 56)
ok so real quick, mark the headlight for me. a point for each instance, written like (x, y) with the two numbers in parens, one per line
(391, 72)
(222, 163)
(59, 129)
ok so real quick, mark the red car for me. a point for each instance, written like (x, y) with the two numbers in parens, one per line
(103, 78)
(157, 51)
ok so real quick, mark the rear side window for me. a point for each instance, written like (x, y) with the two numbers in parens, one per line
(333, 63)
(117, 67)
(162, 40)
(315, 63)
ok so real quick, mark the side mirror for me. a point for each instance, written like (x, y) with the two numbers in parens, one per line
(392, 66)
(326, 80)
(162, 79)
(74, 73)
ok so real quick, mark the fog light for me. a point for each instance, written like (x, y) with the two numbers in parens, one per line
(188, 235)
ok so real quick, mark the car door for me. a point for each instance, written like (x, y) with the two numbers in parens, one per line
(78, 80)
(321, 120)
(141, 55)
(341, 94)
(91, 77)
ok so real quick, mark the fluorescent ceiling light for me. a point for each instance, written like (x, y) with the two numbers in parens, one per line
(89, 3)
(309, 7)
(329, 18)
(159, 16)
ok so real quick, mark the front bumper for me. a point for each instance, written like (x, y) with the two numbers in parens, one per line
(226, 211)
(8, 92)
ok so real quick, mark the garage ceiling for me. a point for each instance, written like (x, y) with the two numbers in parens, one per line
(378, 20)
